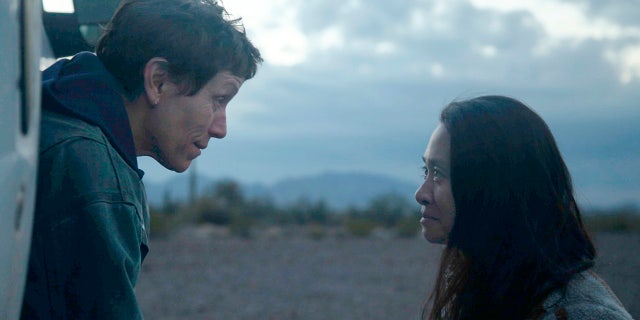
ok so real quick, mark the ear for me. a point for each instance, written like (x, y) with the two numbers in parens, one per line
(155, 74)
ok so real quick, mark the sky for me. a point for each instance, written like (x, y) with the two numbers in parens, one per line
(351, 85)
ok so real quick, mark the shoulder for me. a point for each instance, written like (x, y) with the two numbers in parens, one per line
(77, 159)
(586, 296)
(57, 128)
(79, 168)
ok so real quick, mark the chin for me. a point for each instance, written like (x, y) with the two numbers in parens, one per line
(176, 167)
(437, 241)
(181, 168)
(433, 239)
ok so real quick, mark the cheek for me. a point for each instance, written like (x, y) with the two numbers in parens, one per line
(449, 221)
(444, 199)
(165, 120)
(446, 206)
(199, 118)
(451, 212)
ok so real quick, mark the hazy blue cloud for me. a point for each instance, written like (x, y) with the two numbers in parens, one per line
(623, 12)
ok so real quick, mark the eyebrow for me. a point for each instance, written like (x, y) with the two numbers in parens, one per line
(435, 162)
(227, 90)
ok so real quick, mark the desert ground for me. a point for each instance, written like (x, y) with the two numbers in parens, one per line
(204, 273)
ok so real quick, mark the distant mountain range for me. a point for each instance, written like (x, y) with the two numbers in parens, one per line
(338, 190)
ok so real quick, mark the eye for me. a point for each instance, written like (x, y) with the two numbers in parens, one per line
(219, 102)
(437, 174)
(222, 100)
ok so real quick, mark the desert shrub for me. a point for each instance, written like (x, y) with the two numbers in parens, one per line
(217, 205)
(162, 223)
(305, 211)
(169, 205)
(359, 227)
(388, 209)
(317, 231)
(613, 223)
(625, 218)
(261, 209)
(228, 192)
(407, 227)
(240, 225)
(208, 210)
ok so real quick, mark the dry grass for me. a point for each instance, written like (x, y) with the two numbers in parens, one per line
(204, 273)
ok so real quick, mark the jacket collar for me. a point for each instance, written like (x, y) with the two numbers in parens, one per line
(81, 87)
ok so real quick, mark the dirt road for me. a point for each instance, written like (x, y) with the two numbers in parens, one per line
(201, 273)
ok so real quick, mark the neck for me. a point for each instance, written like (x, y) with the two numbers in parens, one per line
(136, 112)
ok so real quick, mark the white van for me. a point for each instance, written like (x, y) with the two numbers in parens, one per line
(30, 39)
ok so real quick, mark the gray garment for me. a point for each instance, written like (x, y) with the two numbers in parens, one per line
(586, 297)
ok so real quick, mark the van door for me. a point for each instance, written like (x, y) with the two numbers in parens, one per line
(27, 45)
(20, 40)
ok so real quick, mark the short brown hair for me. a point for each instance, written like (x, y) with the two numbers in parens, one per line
(196, 37)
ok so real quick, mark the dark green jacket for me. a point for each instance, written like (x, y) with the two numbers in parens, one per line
(91, 221)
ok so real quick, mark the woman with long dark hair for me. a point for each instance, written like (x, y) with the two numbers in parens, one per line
(498, 194)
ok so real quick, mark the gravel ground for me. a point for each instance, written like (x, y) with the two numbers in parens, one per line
(202, 273)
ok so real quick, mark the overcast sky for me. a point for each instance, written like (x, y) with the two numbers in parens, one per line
(352, 85)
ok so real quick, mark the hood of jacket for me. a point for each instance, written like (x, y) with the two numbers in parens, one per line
(82, 88)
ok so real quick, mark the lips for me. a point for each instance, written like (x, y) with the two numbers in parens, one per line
(194, 152)
(200, 146)
(428, 219)
(427, 216)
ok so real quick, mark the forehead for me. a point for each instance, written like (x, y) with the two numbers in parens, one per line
(224, 80)
(439, 145)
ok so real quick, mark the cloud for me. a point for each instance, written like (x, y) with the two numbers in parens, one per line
(440, 38)
(358, 85)
(273, 27)
(624, 13)
(571, 23)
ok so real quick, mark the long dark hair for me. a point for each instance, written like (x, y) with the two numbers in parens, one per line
(517, 233)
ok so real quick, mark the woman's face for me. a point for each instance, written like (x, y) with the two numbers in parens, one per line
(179, 126)
(434, 195)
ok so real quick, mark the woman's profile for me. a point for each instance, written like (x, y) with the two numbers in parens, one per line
(499, 196)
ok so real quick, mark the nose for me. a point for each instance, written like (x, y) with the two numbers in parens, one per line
(424, 194)
(218, 127)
